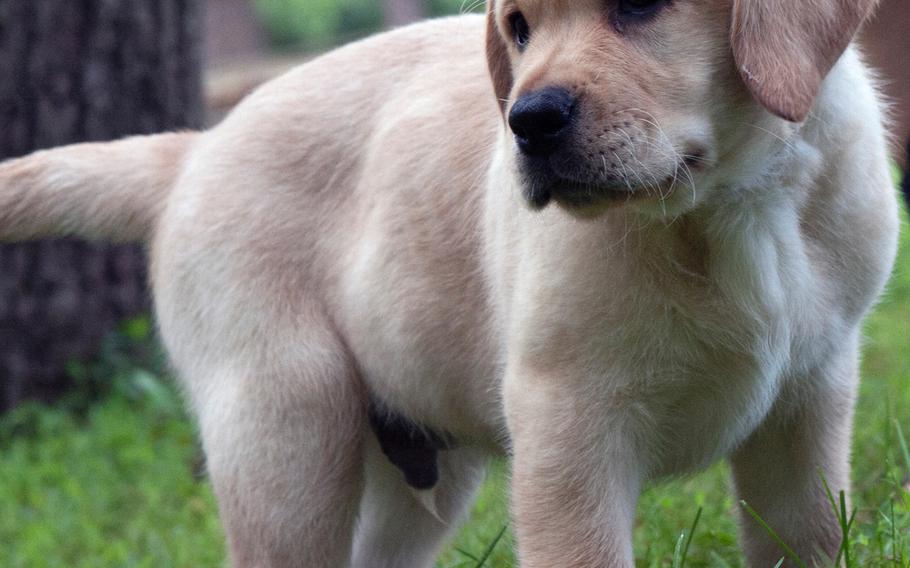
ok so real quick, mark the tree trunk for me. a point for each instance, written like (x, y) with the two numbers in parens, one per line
(74, 71)
(401, 12)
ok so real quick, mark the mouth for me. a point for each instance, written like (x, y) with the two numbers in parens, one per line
(541, 185)
(579, 185)
(577, 195)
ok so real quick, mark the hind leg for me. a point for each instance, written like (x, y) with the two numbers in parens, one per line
(283, 442)
(395, 530)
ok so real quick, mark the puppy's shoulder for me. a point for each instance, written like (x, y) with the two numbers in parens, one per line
(851, 213)
(850, 106)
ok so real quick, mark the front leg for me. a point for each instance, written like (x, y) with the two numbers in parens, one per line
(779, 470)
(576, 476)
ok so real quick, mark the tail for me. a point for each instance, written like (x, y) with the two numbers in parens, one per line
(113, 191)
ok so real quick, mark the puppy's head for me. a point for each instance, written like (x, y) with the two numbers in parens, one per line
(616, 101)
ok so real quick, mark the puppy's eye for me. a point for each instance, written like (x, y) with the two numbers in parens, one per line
(641, 8)
(521, 31)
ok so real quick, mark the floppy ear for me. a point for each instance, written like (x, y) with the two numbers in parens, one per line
(498, 58)
(784, 49)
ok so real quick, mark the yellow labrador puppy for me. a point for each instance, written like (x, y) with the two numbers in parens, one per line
(617, 239)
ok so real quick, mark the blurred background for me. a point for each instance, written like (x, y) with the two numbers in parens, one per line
(247, 41)
(240, 32)
(98, 463)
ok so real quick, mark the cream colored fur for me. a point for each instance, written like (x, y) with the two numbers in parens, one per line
(355, 230)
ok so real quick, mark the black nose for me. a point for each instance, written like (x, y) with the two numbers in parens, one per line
(540, 120)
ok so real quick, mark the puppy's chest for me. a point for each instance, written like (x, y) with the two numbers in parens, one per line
(707, 358)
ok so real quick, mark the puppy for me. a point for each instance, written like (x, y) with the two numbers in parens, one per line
(616, 239)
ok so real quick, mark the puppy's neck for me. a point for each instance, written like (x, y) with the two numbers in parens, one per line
(745, 235)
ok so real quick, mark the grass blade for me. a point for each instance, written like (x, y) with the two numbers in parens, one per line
(773, 534)
(895, 546)
(845, 525)
(486, 555)
(685, 550)
(677, 551)
(840, 511)
(903, 444)
(466, 554)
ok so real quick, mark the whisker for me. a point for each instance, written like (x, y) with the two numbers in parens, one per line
(786, 142)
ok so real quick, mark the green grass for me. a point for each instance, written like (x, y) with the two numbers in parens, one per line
(113, 488)
(116, 482)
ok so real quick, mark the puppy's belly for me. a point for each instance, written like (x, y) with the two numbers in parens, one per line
(438, 390)
(429, 361)
(443, 368)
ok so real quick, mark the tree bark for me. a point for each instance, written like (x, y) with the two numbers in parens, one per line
(72, 71)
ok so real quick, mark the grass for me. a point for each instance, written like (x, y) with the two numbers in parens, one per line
(115, 480)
